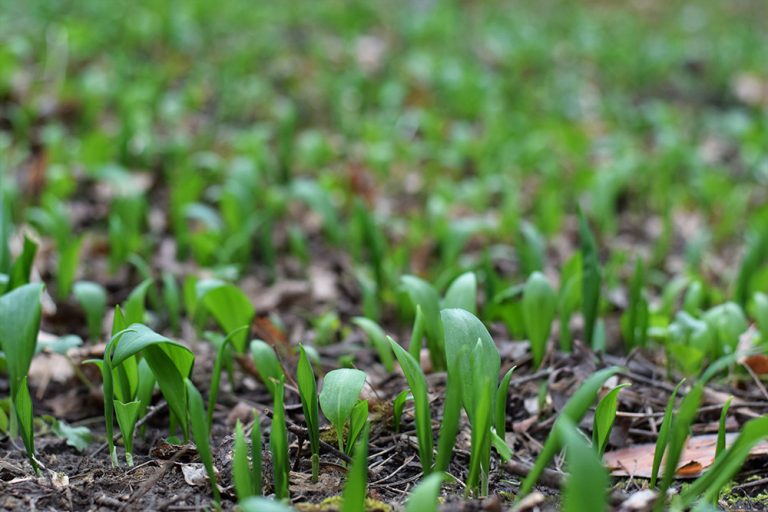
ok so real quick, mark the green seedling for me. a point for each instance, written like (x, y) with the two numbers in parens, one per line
(340, 394)
(568, 301)
(474, 360)
(77, 437)
(539, 307)
(202, 435)
(169, 361)
(172, 301)
(19, 324)
(720, 448)
(135, 305)
(397, 407)
(357, 477)
(378, 339)
(424, 496)
(462, 293)
(500, 418)
(267, 364)
(305, 378)
(69, 258)
(679, 431)
(573, 411)
(585, 489)
(424, 295)
(711, 483)
(255, 504)
(22, 267)
(694, 298)
(278, 443)
(634, 321)
(256, 454)
(231, 308)
(245, 475)
(418, 384)
(93, 298)
(663, 438)
(417, 334)
(591, 279)
(728, 323)
(605, 415)
(531, 248)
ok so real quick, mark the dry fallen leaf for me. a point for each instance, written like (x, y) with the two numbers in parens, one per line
(758, 363)
(699, 454)
(194, 474)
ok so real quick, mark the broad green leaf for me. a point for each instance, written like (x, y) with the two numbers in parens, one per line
(93, 298)
(232, 309)
(19, 324)
(127, 415)
(341, 391)
(424, 295)
(378, 339)
(418, 384)
(539, 306)
(305, 378)
(591, 279)
(423, 497)
(266, 362)
(605, 415)
(574, 410)
(463, 329)
(201, 435)
(462, 293)
(357, 477)
(587, 484)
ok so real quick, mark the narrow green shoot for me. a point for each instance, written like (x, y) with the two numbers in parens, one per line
(258, 485)
(231, 308)
(423, 417)
(278, 443)
(502, 393)
(573, 411)
(585, 489)
(266, 362)
(201, 435)
(241, 470)
(605, 415)
(305, 377)
(423, 294)
(221, 358)
(357, 477)
(449, 427)
(661, 441)
(721, 428)
(591, 279)
(378, 339)
(418, 332)
(397, 407)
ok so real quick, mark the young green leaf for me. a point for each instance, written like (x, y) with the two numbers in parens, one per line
(172, 301)
(278, 443)
(127, 416)
(22, 267)
(266, 362)
(424, 295)
(357, 420)
(663, 438)
(201, 435)
(539, 306)
(585, 489)
(231, 308)
(721, 428)
(449, 427)
(93, 298)
(418, 384)
(462, 293)
(134, 307)
(500, 419)
(397, 407)
(574, 410)
(257, 504)
(241, 472)
(591, 278)
(341, 391)
(305, 377)
(423, 498)
(256, 454)
(418, 332)
(357, 477)
(222, 356)
(378, 339)
(69, 257)
(605, 415)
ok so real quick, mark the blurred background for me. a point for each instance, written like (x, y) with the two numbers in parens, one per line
(252, 139)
